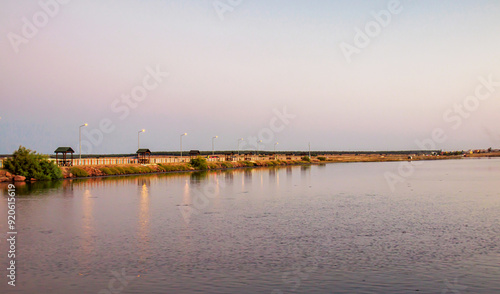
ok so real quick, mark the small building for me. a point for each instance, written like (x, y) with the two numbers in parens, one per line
(64, 161)
(143, 156)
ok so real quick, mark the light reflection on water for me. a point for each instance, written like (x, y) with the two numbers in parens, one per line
(334, 228)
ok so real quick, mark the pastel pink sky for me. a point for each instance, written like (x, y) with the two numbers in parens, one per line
(226, 76)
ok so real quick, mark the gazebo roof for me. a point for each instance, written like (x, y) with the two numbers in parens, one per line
(143, 150)
(64, 150)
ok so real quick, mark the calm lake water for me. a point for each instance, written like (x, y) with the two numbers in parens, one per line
(335, 228)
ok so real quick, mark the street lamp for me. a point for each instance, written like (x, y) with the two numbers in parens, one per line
(185, 134)
(139, 138)
(260, 141)
(80, 138)
(213, 138)
(275, 146)
(240, 139)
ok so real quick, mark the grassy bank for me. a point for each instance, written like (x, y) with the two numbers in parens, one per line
(115, 170)
(201, 164)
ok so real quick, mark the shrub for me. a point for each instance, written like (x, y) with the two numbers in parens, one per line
(79, 172)
(226, 165)
(199, 163)
(134, 170)
(106, 170)
(306, 158)
(248, 163)
(145, 169)
(120, 170)
(29, 164)
(321, 158)
(114, 170)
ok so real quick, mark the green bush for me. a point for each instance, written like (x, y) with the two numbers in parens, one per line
(78, 172)
(321, 158)
(226, 165)
(120, 170)
(249, 163)
(29, 164)
(114, 170)
(199, 163)
(306, 158)
(106, 170)
(145, 169)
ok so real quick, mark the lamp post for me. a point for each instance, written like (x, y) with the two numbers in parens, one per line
(80, 138)
(139, 138)
(185, 134)
(239, 140)
(275, 146)
(260, 141)
(309, 149)
(213, 144)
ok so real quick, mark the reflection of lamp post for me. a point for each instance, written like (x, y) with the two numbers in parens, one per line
(275, 146)
(260, 141)
(185, 134)
(80, 138)
(213, 144)
(240, 139)
(139, 138)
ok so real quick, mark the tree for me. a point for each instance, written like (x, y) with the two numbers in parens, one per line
(29, 164)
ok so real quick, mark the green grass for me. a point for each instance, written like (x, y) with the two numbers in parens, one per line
(115, 171)
(248, 163)
(171, 167)
(227, 165)
(78, 172)
(106, 171)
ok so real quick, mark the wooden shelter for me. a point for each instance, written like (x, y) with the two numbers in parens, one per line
(143, 155)
(194, 153)
(64, 161)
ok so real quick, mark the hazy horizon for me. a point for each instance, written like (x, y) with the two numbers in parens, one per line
(233, 72)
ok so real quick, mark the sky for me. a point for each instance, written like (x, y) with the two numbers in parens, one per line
(340, 75)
